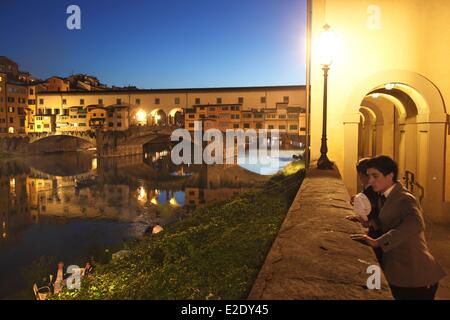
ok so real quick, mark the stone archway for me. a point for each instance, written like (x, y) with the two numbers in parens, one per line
(367, 132)
(176, 117)
(395, 128)
(418, 121)
(158, 117)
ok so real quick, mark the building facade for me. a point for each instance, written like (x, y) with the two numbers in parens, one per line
(388, 91)
(3, 126)
(57, 84)
(223, 106)
(14, 115)
(81, 103)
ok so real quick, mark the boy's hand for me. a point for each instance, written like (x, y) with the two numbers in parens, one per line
(364, 239)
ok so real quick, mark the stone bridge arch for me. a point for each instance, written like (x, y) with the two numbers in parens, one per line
(85, 136)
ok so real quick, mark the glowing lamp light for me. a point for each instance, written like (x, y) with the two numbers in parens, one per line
(94, 164)
(154, 201)
(389, 86)
(157, 117)
(326, 46)
(141, 116)
(141, 194)
(173, 202)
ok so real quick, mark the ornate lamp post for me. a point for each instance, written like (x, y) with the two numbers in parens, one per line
(326, 44)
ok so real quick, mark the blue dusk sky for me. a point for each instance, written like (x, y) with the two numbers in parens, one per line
(160, 43)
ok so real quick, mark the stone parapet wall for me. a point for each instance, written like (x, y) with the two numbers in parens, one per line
(313, 256)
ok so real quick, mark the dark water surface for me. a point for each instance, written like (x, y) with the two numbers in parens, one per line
(45, 219)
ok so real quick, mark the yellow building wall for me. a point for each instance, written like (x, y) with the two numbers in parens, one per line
(447, 168)
(252, 98)
(373, 37)
(57, 84)
(146, 100)
(42, 124)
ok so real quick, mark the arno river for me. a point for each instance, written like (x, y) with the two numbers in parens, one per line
(45, 219)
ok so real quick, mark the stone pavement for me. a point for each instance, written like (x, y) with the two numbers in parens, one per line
(438, 238)
(313, 256)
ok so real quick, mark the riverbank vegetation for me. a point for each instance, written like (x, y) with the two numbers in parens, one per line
(214, 253)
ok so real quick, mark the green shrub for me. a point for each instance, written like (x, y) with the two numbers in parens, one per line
(214, 253)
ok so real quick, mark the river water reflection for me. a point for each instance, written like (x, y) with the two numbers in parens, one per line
(45, 219)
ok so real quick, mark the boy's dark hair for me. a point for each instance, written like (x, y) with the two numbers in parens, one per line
(385, 165)
(361, 166)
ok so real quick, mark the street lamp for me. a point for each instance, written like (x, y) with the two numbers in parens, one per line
(326, 48)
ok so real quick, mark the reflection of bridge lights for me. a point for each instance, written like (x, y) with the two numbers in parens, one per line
(141, 115)
(173, 202)
(94, 164)
(4, 235)
(141, 194)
